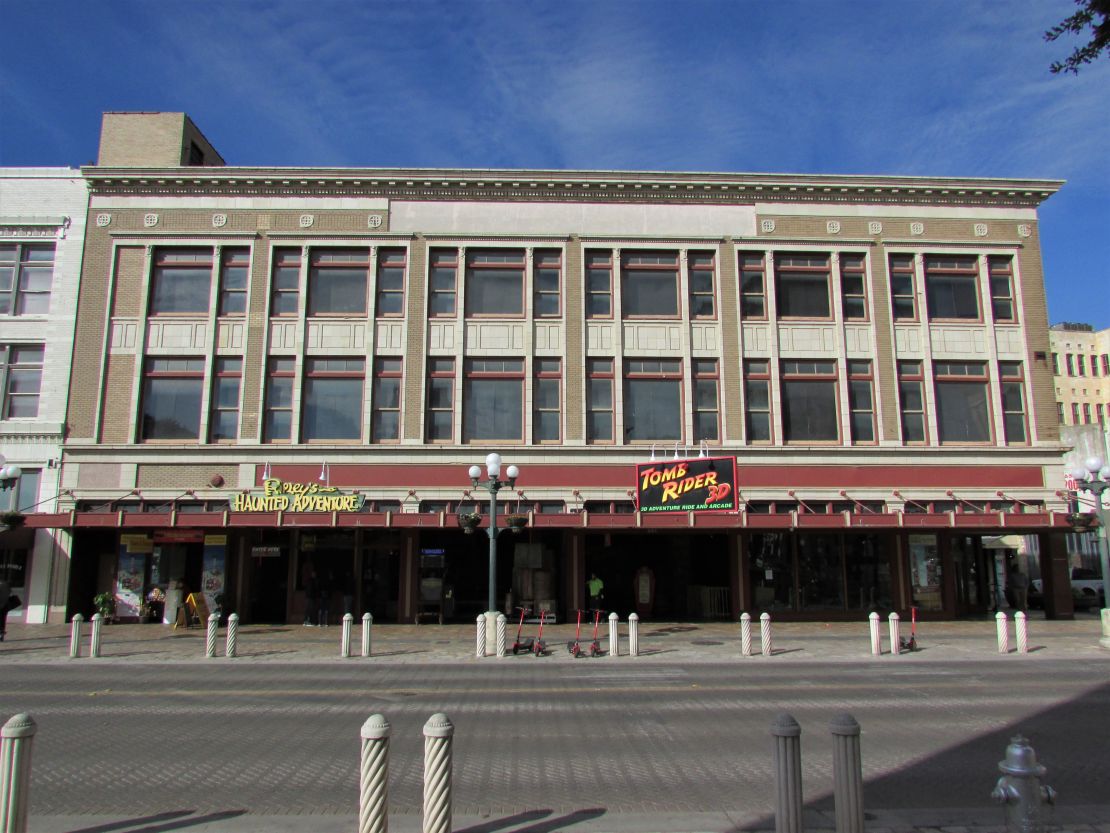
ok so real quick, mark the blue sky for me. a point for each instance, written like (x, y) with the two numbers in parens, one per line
(923, 88)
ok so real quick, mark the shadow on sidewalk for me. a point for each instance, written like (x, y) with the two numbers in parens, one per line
(547, 825)
(161, 822)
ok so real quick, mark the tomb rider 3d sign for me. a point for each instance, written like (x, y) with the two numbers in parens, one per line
(280, 496)
(705, 484)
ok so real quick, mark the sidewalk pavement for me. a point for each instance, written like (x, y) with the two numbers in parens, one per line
(661, 642)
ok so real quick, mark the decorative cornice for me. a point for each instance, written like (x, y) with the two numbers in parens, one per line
(568, 186)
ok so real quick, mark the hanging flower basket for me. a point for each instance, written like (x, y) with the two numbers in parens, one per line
(12, 519)
(469, 521)
(516, 522)
(1082, 521)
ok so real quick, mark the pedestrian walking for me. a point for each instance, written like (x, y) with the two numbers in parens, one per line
(594, 587)
(1018, 584)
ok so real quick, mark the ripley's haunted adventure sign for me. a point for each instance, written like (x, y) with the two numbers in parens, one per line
(704, 484)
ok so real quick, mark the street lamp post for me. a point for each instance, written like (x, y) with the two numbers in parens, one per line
(1094, 477)
(493, 484)
(9, 475)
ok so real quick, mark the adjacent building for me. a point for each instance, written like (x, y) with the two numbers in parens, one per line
(1081, 367)
(282, 376)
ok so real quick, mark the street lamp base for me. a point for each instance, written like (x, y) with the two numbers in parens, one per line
(1105, 641)
(491, 632)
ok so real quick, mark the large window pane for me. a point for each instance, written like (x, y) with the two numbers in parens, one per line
(492, 409)
(181, 290)
(337, 291)
(809, 411)
(951, 297)
(332, 409)
(171, 409)
(495, 292)
(771, 573)
(803, 295)
(962, 414)
(867, 568)
(650, 293)
(819, 566)
(652, 410)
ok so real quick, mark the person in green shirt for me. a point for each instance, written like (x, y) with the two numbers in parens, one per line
(594, 586)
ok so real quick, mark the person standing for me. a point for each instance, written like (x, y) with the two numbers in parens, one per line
(594, 587)
(1018, 584)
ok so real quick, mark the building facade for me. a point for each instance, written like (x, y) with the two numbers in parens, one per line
(1081, 367)
(42, 222)
(283, 375)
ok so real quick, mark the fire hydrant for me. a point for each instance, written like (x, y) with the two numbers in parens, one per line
(1019, 789)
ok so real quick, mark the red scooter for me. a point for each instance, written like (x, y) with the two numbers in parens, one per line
(575, 647)
(523, 644)
(539, 647)
(595, 646)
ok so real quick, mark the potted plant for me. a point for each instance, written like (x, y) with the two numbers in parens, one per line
(105, 604)
(1082, 521)
(12, 519)
(517, 521)
(469, 521)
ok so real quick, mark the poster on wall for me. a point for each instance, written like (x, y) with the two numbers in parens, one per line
(130, 573)
(212, 574)
(704, 484)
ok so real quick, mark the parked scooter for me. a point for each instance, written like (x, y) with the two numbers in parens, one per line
(911, 643)
(595, 646)
(575, 647)
(539, 647)
(522, 644)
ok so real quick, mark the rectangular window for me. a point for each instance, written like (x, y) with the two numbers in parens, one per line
(441, 400)
(337, 281)
(172, 390)
(1001, 271)
(599, 400)
(546, 283)
(757, 401)
(1069, 361)
(285, 288)
(702, 285)
(963, 412)
(1060, 412)
(391, 283)
(182, 282)
(224, 420)
(809, 402)
(1100, 414)
(495, 282)
(493, 400)
(599, 284)
(1012, 378)
(911, 399)
(332, 407)
(903, 296)
(546, 401)
(753, 293)
(234, 268)
(444, 278)
(802, 285)
(952, 287)
(1086, 413)
(1094, 365)
(652, 400)
(26, 276)
(707, 423)
(1055, 364)
(649, 284)
(21, 379)
(385, 423)
(1080, 367)
(1075, 413)
(278, 425)
(861, 402)
(853, 287)
(1106, 364)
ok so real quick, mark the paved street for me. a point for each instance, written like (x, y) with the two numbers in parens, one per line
(676, 740)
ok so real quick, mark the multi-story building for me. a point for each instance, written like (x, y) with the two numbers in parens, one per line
(1081, 367)
(42, 223)
(283, 375)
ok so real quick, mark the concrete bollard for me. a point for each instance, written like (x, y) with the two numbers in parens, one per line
(765, 633)
(788, 774)
(745, 634)
(1021, 625)
(1020, 790)
(231, 648)
(1003, 631)
(210, 642)
(480, 642)
(438, 733)
(94, 635)
(367, 623)
(373, 782)
(633, 634)
(16, 739)
(75, 636)
(345, 637)
(502, 627)
(876, 635)
(614, 635)
(895, 624)
(847, 774)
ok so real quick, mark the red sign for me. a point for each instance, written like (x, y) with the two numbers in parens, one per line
(179, 536)
(704, 484)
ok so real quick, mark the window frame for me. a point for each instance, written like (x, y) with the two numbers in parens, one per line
(233, 257)
(545, 370)
(944, 375)
(793, 371)
(1012, 374)
(11, 364)
(860, 371)
(316, 368)
(706, 371)
(637, 370)
(288, 259)
(643, 270)
(599, 263)
(855, 269)
(279, 368)
(192, 368)
(473, 265)
(162, 267)
(936, 272)
(600, 369)
(440, 368)
(386, 368)
(478, 369)
(547, 260)
(786, 276)
(318, 269)
(222, 368)
(384, 293)
(440, 264)
(701, 263)
(903, 265)
(757, 372)
(746, 266)
(1000, 281)
(17, 268)
(912, 372)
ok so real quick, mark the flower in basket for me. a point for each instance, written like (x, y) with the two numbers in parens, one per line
(517, 521)
(469, 521)
(12, 519)
(157, 594)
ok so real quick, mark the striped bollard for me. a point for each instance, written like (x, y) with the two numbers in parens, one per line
(633, 634)
(373, 782)
(502, 626)
(788, 774)
(438, 732)
(895, 622)
(745, 634)
(345, 638)
(1021, 625)
(367, 623)
(16, 739)
(847, 774)
(480, 642)
(876, 635)
(231, 649)
(210, 641)
(94, 635)
(1003, 630)
(614, 635)
(75, 636)
(765, 633)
